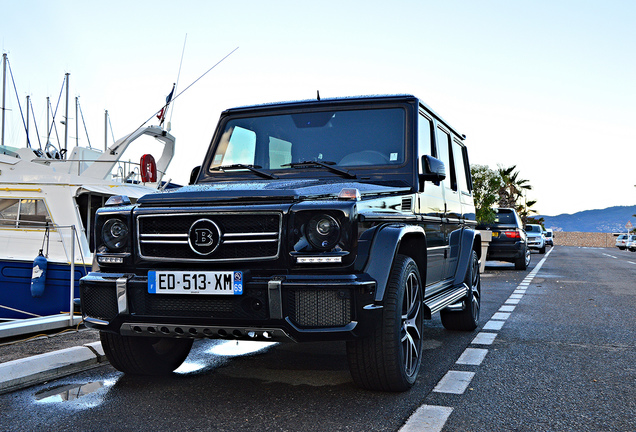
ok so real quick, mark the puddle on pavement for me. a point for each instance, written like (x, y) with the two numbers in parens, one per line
(239, 348)
(68, 393)
(208, 354)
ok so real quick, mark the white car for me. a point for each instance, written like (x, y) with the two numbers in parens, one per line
(631, 243)
(623, 239)
(549, 237)
(536, 240)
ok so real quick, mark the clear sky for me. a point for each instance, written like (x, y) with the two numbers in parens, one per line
(547, 85)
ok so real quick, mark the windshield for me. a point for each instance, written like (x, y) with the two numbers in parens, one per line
(534, 228)
(348, 138)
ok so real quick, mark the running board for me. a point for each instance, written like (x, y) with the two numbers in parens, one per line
(444, 299)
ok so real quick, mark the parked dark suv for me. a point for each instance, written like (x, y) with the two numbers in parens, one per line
(343, 219)
(509, 240)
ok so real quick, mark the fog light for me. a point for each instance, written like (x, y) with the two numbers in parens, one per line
(319, 260)
(110, 260)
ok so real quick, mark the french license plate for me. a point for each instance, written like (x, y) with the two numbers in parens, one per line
(495, 234)
(185, 282)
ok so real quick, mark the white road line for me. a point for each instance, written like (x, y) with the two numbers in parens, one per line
(427, 418)
(611, 256)
(455, 382)
(430, 418)
(493, 325)
(472, 356)
(484, 338)
(501, 316)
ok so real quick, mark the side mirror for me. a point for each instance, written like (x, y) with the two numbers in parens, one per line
(433, 169)
(194, 174)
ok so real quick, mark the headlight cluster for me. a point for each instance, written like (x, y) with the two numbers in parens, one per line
(115, 234)
(323, 232)
(324, 237)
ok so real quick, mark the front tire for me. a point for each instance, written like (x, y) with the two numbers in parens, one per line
(468, 318)
(144, 355)
(390, 358)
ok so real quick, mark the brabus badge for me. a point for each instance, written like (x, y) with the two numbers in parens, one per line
(204, 236)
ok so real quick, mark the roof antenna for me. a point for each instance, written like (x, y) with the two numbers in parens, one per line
(318, 94)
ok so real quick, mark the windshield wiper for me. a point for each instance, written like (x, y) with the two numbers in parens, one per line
(326, 164)
(254, 168)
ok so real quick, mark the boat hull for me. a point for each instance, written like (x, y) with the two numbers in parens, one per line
(15, 289)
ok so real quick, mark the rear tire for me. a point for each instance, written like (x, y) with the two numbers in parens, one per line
(389, 359)
(523, 262)
(468, 318)
(144, 355)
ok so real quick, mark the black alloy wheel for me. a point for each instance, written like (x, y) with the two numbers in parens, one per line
(389, 359)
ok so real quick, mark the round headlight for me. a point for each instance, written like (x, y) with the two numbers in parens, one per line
(323, 232)
(115, 234)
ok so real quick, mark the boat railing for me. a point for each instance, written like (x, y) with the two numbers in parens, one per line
(69, 252)
(123, 171)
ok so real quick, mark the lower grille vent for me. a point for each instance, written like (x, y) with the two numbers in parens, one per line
(99, 302)
(320, 307)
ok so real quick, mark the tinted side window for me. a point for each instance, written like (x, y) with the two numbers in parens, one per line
(443, 143)
(460, 168)
(425, 143)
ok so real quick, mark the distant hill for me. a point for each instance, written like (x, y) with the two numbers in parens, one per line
(609, 220)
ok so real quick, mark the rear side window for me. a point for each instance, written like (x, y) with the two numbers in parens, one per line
(461, 172)
(425, 144)
(443, 142)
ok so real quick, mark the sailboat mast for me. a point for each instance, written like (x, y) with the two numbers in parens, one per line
(105, 131)
(27, 121)
(66, 117)
(48, 122)
(4, 86)
(76, 122)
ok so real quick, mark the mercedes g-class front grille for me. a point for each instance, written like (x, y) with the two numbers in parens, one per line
(227, 236)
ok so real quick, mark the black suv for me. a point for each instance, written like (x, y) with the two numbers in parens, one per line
(343, 219)
(509, 240)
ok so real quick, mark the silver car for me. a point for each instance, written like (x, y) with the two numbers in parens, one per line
(536, 240)
(626, 241)
(549, 237)
(623, 239)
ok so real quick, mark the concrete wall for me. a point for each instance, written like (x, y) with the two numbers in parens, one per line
(584, 239)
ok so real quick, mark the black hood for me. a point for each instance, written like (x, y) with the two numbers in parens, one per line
(269, 190)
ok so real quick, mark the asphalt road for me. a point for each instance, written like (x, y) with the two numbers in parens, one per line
(555, 351)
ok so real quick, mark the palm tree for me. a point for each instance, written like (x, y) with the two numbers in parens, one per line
(512, 192)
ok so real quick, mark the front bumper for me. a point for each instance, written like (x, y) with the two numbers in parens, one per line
(535, 243)
(298, 308)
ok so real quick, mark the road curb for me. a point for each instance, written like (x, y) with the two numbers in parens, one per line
(21, 373)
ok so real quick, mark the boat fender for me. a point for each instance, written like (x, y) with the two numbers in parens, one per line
(148, 169)
(38, 276)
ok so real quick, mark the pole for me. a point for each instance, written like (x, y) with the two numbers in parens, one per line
(27, 121)
(48, 121)
(72, 305)
(4, 86)
(66, 117)
(105, 130)
(76, 122)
